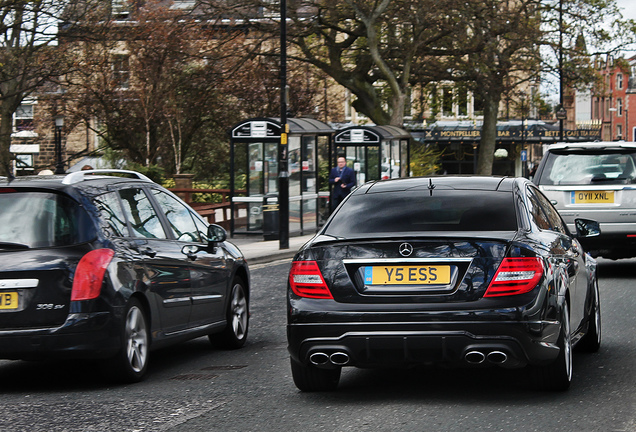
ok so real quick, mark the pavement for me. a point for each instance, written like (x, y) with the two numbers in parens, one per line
(258, 251)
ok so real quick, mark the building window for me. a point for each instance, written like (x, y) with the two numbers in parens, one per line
(120, 8)
(597, 113)
(619, 81)
(462, 102)
(447, 102)
(408, 103)
(347, 105)
(619, 107)
(478, 105)
(24, 118)
(619, 131)
(121, 71)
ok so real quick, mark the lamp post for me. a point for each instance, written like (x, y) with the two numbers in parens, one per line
(283, 174)
(59, 124)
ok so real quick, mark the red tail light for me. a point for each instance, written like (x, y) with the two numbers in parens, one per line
(515, 276)
(306, 280)
(89, 275)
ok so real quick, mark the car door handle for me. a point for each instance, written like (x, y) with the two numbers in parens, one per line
(191, 256)
(150, 252)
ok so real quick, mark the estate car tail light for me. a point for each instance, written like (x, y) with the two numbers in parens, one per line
(305, 280)
(515, 276)
(89, 275)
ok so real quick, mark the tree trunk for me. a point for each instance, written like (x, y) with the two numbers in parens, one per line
(488, 135)
(7, 107)
(397, 109)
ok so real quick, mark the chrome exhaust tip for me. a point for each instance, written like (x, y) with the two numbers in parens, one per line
(475, 357)
(319, 358)
(339, 358)
(497, 357)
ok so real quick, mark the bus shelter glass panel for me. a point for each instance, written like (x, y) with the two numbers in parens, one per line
(310, 215)
(324, 165)
(271, 167)
(308, 167)
(295, 166)
(395, 159)
(373, 163)
(356, 159)
(255, 180)
(405, 168)
(387, 160)
(295, 215)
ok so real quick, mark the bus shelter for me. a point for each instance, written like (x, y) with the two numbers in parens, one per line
(254, 175)
(374, 152)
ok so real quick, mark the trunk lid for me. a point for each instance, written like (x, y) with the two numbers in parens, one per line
(434, 270)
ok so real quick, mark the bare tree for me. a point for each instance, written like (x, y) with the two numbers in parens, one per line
(28, 57)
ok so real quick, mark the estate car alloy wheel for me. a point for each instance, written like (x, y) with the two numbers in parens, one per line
(237, 316)
(132, 360)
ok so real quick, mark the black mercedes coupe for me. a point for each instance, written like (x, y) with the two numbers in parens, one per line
(447, 271)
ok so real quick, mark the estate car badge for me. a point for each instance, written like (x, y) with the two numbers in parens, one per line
(406, 249)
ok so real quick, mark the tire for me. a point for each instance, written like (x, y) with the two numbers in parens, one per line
(557, 376)
(237, 316)
(591, 342)
(131, 363)
(309, 378)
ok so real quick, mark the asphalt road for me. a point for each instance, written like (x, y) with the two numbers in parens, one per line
(194, 387)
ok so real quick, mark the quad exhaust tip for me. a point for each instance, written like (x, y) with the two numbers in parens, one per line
(475, 357)
(319, 358)
(497, 357)
(478, 357)
(338, 358)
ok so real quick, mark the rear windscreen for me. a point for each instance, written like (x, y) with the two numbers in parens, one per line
(589, 168)
(41, 219)
(418, 211)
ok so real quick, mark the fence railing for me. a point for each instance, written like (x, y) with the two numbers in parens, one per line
(217, 213)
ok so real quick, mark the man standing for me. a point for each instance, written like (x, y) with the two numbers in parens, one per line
(343, 179)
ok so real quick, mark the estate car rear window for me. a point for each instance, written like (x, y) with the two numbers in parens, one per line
(409, 211)
(41, 219)
(604, 167)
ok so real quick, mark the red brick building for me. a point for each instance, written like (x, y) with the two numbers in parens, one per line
(614, 99)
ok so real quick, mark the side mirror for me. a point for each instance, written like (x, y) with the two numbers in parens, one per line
(216, 234)
(587, 228)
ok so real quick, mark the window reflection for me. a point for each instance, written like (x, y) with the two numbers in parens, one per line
(143, 219)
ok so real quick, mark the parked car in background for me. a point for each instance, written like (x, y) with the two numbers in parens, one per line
(453, 271)
(596, 181)
(106, 264)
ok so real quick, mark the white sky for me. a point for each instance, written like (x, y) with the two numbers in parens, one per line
(628, 9)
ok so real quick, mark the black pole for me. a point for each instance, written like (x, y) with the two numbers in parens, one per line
(283, 174)
(59, 166)
(561, 107)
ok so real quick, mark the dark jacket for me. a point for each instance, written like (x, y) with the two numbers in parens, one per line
(348, 178)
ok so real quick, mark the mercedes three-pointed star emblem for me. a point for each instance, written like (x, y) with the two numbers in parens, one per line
(406, 249)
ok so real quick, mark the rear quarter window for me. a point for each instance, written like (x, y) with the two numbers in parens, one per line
(417, 211)
(43, 219)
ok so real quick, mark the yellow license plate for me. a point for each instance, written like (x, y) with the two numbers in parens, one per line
(406, 275)
(8, 300)
(592, 197)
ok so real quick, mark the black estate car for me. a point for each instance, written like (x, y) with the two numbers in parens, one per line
(452, 271)
(97, 265)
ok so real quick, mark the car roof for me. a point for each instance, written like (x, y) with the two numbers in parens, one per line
(597, 145)
(485, 183)
(77, 180)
